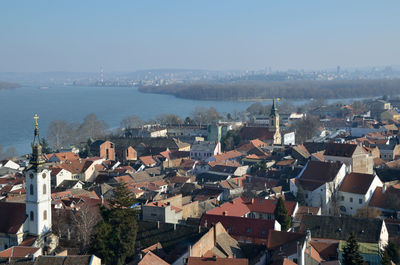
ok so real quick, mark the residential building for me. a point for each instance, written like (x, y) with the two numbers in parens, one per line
(356, 191)
(104, 149)
(201, 150)
(320, 181)
(356, 158)
(339, 228)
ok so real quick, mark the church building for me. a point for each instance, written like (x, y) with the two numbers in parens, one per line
(29, 221)
(270, 134)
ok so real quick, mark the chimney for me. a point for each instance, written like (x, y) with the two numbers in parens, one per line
(215, 234)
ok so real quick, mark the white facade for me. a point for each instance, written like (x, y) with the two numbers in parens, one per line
(60, 177)
(289, 138)
(321, 196)
(351, 202)
(38, 201)
(10, 164)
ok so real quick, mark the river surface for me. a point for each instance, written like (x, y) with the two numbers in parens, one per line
(73, 103)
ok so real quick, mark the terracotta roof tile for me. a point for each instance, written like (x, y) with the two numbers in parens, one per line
(342, 150)
(280, 238)
(152, 259)
(216, 261)
(357, 183)
(148, 161)
(16, 216)
(385, 199)
(241, 206)
(241, 227)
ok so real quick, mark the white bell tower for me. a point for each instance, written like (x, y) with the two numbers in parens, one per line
(38, 199)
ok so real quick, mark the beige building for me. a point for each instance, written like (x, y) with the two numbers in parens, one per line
(355, 157)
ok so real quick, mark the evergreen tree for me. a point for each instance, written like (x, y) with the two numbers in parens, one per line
(386, 259)
(301, 196)
(115, 236)
(393, 252)
(45, 146)
(351, 253)
(281, 215)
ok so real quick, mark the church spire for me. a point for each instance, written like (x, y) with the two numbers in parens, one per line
(36, 159)
(274, 109)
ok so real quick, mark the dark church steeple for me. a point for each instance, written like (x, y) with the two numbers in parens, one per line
(274, 118)
(37, 158)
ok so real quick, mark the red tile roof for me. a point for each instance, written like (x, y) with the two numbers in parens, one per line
(148, 160)
(63, 156)
(252, 133)
(357, 183)
(318, 173)
(152, 259)
(15, 217)
(343, 150)
(18, 252)
(241, 206)
(216, 261)
(277, 239)
(241, 228)
(385, 199)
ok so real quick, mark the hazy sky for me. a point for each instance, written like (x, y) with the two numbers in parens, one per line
(130, 35)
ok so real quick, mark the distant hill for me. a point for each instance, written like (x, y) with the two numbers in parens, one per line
(6, 85)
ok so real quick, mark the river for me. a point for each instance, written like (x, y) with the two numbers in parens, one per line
(73, 103)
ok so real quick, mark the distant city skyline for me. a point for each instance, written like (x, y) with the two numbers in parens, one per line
(82, 36)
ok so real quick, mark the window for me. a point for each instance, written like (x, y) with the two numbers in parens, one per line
(31, 217)
(230, 229)
(360, 201)
(31, 189)
(351, 199)
(45, 215)
(248, 230)
(342, 198)
(343, 209)
(306, 196)
(44, 189)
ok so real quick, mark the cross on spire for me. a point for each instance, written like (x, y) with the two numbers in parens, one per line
(36, 117)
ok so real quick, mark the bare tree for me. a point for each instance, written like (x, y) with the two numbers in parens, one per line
(333, 203)
(203, 116)
(84, 221)
(368, 212)
(306, 128)
(131, 122)
(9, 153)
(60, 134)
(92, 128)
(169, 119)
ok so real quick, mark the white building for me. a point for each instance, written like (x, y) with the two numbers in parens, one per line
(319, 180)
(201, 150)
(9, 164)
(356, 191)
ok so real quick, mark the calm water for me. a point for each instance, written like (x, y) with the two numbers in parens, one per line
(72, 103)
